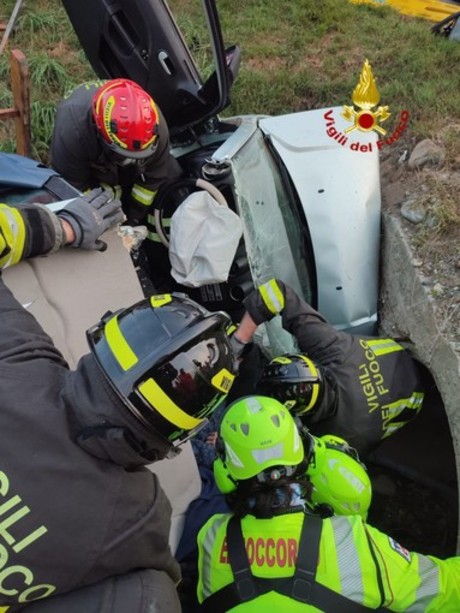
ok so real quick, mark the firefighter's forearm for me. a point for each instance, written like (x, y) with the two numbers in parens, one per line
(246, 329)
(26, 231)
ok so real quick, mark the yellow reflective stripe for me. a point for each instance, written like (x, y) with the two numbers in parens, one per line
(413, 402)
(352, 584)
(314, 398)
(281, 360)
(315, 386)
(391, 429)
(428, 587)
(153, 236)
(163, 404)
(160, 299)
(116, 189)
(231, 329)
(272, 296)
(382, 346)
(223, 380)
(122, 352)
(209, 546)
(329, 563)
(4, 609)
(309, 363)
(142, 194)
(12, 235)
(391, 411)
(165, 221)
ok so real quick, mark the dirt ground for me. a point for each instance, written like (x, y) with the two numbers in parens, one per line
(431, 193)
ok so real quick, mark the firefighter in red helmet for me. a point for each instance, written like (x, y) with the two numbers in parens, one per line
(112, 133)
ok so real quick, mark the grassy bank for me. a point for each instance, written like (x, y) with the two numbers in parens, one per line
(295, 55)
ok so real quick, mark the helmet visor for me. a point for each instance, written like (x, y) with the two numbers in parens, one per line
(181, 392)
(126, 157)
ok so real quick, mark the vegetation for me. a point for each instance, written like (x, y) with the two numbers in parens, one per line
(295, 55)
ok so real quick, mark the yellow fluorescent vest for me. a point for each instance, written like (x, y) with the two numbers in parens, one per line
(351, 554)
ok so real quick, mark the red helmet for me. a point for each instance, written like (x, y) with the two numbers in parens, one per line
(127, 118)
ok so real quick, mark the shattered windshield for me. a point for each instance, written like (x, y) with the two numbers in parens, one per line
(274, 232)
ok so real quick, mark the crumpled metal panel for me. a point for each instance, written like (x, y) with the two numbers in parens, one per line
(272, 242)
(340, 193)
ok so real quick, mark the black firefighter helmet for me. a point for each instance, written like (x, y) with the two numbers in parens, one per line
(295, 381)
(169, 361)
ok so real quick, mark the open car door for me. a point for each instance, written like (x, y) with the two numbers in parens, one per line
(139, 40)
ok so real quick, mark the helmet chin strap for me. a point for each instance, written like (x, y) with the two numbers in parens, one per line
(123, 162)
(120, 446)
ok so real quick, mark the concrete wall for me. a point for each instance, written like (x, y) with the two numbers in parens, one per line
(409, 310)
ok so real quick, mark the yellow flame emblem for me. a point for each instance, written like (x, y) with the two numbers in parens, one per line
(365, 97)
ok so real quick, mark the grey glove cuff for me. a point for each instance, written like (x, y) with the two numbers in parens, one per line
(75, 227)
(90, 216)
(237, 348)
(59, 234)
(239, 344)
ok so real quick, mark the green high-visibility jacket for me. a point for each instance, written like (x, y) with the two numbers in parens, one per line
(355, 560)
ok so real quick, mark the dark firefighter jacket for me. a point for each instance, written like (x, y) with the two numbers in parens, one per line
(372, 385)
(78, 155)
(76, 504)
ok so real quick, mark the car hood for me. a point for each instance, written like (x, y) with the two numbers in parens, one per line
(338, 189)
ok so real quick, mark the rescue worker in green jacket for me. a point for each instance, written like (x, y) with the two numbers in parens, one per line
(272, 553)
(84, 525)
(360, 388)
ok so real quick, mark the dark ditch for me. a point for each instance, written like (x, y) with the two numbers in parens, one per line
(415, 487)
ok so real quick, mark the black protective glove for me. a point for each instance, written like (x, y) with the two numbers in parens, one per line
(90, 216)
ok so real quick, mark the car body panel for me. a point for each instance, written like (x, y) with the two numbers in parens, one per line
(339, 189)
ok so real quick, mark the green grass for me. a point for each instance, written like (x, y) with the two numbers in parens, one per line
(296, 55)
(308, 54)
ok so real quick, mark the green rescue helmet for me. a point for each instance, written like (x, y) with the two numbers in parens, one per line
(169, 361)
(339, 479)
(257, 433)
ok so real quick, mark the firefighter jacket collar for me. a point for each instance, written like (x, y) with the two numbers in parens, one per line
(102, 425)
